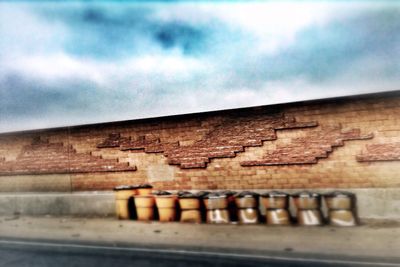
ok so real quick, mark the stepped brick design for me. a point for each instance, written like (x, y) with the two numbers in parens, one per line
(308, 149)
(148, 145)
(231, 137)
(225, 140)
(143, 143)
(380, 152)
(42, 157)
(113, 140)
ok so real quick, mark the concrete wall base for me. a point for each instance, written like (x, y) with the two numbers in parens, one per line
(376, 203)
(91, 204)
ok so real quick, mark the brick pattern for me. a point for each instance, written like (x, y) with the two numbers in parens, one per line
(380, 152)
(113, 140)
(42, 157)
(142, 144)
(308, 149)
(147, 144)
(377, 114)
(232, 136)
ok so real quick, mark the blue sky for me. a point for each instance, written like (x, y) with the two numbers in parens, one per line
(68, 63)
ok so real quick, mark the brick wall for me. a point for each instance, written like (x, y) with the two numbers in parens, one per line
(350, 142)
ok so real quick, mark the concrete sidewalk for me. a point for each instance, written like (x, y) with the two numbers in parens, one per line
(378, 240)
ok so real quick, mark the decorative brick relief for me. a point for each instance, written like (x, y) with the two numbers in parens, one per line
(377, 113)
(148, 145)
(380, 152)
(42, 157)
(141, 144)
(231, 136)
(308, 149)
(113, 140)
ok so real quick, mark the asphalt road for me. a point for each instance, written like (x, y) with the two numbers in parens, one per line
(41, 253)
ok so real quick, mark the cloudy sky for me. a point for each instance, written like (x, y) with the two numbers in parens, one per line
(69, 63)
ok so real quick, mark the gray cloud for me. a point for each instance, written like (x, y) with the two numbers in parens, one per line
(112, 31)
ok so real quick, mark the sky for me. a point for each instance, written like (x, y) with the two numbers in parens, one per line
(79, 62)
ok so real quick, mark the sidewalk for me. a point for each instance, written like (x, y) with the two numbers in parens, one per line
(373, 240)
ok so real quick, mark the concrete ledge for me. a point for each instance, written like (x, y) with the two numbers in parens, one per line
(36, 183)
(88, 204)
(371, 203)
(377, 203)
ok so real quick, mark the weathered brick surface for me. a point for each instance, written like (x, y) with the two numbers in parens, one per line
(380, 152)
(231, 137)
(224, 141)
(308, 149)
(42, 157)
(205, 151)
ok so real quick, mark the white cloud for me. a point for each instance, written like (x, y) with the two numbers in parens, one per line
(62, 66)
(169, 66)
(273, 24)
(24, 32)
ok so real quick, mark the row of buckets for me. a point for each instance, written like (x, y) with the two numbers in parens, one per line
(140, 202)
